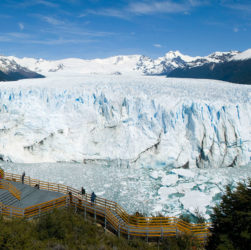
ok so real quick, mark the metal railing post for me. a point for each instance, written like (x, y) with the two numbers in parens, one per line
(95, 214)
(105, 221)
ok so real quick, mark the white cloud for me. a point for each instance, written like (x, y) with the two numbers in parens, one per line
(108, 12)
(142, 8)
(61, 41)
(21, 26)
(29, 3)
(157, 45)
(47, 3)
(52, 20)
(236, 29)
(239, 7)
(148, 8)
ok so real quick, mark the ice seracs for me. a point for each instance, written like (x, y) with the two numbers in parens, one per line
(131, 120)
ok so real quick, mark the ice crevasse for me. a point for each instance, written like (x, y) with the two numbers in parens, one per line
(126, 119)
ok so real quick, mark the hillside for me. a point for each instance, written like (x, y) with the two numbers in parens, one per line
(10, 70)
(64, 229)
(237, 70)
(18, 75)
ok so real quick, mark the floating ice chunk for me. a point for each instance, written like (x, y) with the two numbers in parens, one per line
(154, 174)
(186, 173)
(165, 191)
(196, 200)
(170, 180)
(185, 187)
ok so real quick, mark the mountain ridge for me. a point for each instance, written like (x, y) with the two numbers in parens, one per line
(10, 70)
(122, 63)
(172, 64)
(235, 70)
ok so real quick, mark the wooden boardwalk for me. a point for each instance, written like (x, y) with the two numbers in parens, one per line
(114, 217)
(29, 196)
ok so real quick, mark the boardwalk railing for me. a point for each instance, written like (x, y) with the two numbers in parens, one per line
(35, 210)
(112, 213)
(1, 174)
(9, 187)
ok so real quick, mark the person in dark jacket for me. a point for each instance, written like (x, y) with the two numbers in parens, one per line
(93, 197)
(82, 191)
(23, 175)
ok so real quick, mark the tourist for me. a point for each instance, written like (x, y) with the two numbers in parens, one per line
(82, 191)
(93, 198)
(23, 175)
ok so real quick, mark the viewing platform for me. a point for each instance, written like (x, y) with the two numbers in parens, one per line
(28, 198)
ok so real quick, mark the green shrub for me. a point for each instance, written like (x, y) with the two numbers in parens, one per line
(185, 217)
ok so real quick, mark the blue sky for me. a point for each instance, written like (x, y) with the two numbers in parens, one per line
(101, 28)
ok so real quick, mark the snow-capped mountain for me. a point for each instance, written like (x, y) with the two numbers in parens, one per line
(10, 70)
(174, 59)
(111, 65)
(245, 55)
(227, 67)
(136, 64)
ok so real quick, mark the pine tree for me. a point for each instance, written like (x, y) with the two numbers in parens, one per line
(231, 220)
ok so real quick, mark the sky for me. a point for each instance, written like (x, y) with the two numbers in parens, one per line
(56, 29)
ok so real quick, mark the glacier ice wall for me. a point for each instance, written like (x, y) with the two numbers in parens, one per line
(126, 120)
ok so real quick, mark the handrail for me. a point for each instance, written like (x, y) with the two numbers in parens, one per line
(128, 224)
(1, 174)
(9, 187)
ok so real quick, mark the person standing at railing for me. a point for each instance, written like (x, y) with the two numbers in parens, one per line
(23, 175)
(93, 198)
(82, 191)
(70, 196)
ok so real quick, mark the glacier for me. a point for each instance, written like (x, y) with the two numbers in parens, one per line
(172, 140)
(128, 119)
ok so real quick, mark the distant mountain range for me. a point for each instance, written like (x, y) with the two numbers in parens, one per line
(231, 66)
(10, 70)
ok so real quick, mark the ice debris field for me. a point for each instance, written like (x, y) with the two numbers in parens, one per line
(148, 190)
(150, 143)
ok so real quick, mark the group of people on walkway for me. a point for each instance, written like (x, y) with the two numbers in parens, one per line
(82, 192)
(93, 195)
